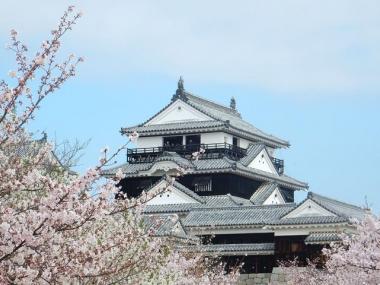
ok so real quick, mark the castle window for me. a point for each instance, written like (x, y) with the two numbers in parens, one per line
(202, 184)
(193, 140)
(235, 141)
(172, 142)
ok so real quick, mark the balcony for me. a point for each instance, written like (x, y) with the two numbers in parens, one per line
(215, 150)
(279, 164)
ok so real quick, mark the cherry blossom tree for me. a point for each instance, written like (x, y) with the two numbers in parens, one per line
(354, 261)
(59, 228)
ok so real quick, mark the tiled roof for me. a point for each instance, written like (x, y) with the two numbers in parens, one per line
(252, 248)
(253, 150)
(225, 201)
(309, 220)
(337, 207)
(188, 192)
(343, 212)
(220, 165)
(179, 187)
(225, 118)
(214, 201)
(164, 225)
(263, 192)
(133, 169)
(223, 113)
(175, 128)
(127, 168)
(170, 208)
(228, 210)
(216, 163)
(235, 216)
(175, 157)
(322, 238)
(282, 180)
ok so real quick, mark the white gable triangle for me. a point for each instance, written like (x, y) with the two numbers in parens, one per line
(170, 196)
(275, 198)
(263, 162)
(309, 209)
(178, 112)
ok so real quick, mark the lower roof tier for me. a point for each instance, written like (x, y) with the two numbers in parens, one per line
(225, 212)
(173, 164)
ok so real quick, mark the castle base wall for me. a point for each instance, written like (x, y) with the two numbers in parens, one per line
(277, 277)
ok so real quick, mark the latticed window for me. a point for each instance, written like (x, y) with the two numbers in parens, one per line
(202, 184)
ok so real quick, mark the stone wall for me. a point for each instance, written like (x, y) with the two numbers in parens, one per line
(277, 277)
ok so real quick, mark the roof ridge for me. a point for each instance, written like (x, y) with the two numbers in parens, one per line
(189, 192)
(263, 192)
(215, 104)
(175, 123)
(311, 195)
(219, 195)
(244, 207)
(232, 198)
(319, 204)
(177, 185)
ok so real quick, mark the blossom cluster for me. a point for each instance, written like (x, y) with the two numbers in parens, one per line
(56, 227)
(355, 260)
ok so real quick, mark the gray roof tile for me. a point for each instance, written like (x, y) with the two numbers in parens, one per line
(263, 192)
(282, 180)
(127, 168)
(164, 225)
(225, 118)
(253, 150)
(256, 248)
(175, 128)
(208, 164)
(175, 157)
(170, 208)
(322, 238)
(225, 201)
(309, 220)
(214, 201)
(224, 165)
(179, 187)
(222, 113)
(234, 216)
(337, 207)
(188, 192)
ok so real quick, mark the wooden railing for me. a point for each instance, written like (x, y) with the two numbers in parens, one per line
(279, 164)
(214, 150)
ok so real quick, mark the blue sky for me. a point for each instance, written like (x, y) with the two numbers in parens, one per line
(306, 71)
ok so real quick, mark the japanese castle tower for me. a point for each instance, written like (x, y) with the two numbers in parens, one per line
(234, 190)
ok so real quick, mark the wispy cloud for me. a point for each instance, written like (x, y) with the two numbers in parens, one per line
(293, 47)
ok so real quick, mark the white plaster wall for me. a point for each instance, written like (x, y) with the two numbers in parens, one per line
(244, 143)
(263, 162)
(309, 209)
(275, 198)
(206, 138)
(178, 112)
(170, 196)
(217, 137)
(144, 142)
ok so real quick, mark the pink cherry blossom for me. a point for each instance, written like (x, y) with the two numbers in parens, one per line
(58, 228)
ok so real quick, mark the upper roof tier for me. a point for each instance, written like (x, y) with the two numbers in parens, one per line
(213, 117)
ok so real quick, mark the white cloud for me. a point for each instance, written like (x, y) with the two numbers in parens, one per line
(285, 46)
